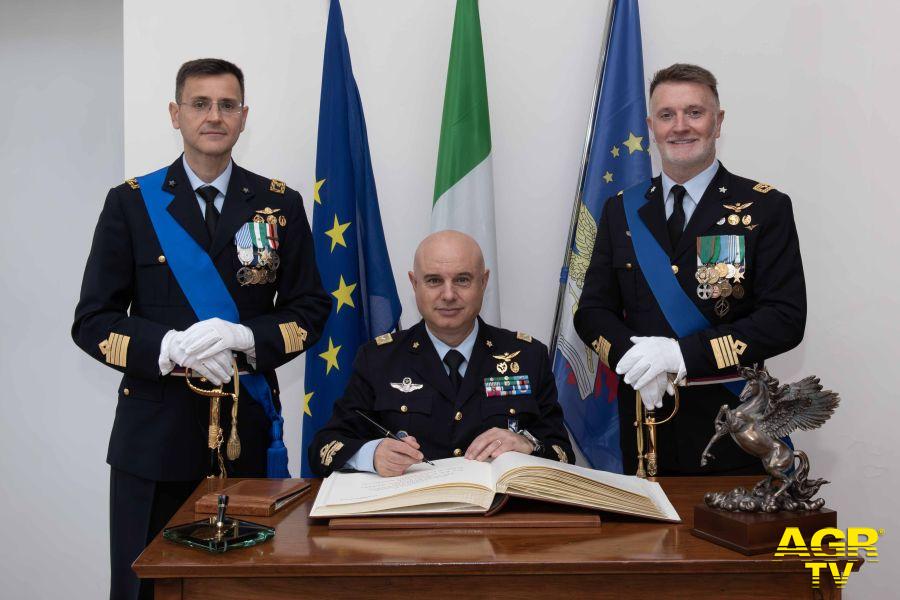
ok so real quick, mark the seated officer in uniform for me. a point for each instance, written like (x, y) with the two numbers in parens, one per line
(190, 265)
(693, 274)
(453, 384)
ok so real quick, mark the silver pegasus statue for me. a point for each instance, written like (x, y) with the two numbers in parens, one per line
(769, 412)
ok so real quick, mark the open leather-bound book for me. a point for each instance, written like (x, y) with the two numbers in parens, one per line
(459, 486)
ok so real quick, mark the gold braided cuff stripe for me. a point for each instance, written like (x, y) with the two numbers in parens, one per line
(115, 349)
(294, 336)
(727, 350)
(602, 347)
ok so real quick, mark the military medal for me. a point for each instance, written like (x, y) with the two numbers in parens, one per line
(731, 271)
(244, 246)
(722, 307)
(725, 288)
(270, 276)
(713, 276)
(272, 235)
(746, 219)
(702, 275)
(258, 219)
(282, 220)
(716, 291)
(739, 274)
(722, 270)
(737, 291)
(244, 275)
(721, 221)
(271, 220)
(734, 220)
(704, 291)
(502, 367)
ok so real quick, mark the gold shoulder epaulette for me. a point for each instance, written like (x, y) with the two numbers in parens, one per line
(133, 183)
(277, 186)
(523, 336)
(381, 340)
(763, 188)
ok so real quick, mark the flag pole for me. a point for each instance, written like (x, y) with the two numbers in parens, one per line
(585, 156)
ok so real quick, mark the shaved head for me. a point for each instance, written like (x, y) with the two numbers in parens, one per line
(449, 280)
(448, 245)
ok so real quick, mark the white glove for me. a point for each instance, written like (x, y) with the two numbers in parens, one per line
(216, 368)
(649, 357)
(652, 393)
(212, 336)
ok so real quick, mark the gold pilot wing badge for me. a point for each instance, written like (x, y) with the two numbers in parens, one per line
(406, 386)
(506, 362)
(738, 207)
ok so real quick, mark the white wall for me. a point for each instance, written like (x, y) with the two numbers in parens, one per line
(61, 146)
(807, 87)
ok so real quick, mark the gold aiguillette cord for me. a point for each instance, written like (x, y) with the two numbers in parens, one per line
(215, 435)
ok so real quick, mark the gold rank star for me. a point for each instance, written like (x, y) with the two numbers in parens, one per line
(607, 177)
(343, 294)
(330, 357)
(306, 399)
(318, 185)
(633, 143)
(615, 151)
(336, 233)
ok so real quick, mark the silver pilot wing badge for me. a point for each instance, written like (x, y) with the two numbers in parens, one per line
(406, 386)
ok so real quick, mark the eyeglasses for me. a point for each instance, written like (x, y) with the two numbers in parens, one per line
(202, 107)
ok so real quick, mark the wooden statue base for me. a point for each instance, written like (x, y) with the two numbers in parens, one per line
(755, 533)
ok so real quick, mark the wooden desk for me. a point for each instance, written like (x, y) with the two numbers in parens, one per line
(625, 557)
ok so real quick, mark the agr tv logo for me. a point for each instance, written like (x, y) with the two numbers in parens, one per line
(829, 546)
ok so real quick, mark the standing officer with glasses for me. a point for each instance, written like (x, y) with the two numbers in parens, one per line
(198, 266)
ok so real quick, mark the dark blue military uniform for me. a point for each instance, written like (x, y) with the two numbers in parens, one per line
(130, 299)
(766, 318)
(442, 422)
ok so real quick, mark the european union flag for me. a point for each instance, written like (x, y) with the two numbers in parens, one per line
(349, 239)
(617, 157)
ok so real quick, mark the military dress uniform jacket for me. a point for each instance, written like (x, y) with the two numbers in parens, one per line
(130, 299)
(768, 318)
(443, 423)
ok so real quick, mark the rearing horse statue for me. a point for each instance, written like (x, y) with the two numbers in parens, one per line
(767, 413)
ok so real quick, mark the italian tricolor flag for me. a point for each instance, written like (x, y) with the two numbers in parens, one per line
(464, 182)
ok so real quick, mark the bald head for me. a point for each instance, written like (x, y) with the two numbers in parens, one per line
(449, 280)
(449, 245)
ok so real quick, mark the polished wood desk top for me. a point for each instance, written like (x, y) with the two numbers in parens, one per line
(307, 548)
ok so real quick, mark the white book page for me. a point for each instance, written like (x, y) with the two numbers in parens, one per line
(351, 488)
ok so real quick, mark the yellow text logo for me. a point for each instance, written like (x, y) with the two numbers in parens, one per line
(829, 547)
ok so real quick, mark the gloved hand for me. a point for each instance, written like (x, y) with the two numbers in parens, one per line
(649, 357)
(652, 393)
(212, 336)
(216, 368)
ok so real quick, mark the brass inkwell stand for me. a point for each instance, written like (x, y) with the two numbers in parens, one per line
(219, 533)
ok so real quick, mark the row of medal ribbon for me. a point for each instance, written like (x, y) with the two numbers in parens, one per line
(257, 250)
(720, 269)
(507, 386)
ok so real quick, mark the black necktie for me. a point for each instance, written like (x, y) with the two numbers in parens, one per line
(676, 221)
(454, 359)
(209, 193)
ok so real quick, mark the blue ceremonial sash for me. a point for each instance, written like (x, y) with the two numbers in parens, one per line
(206, 293)
(680, 311)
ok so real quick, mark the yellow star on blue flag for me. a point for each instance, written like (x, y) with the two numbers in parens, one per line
(350, 249)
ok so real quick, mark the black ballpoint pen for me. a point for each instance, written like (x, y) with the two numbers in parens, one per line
(387, 432)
